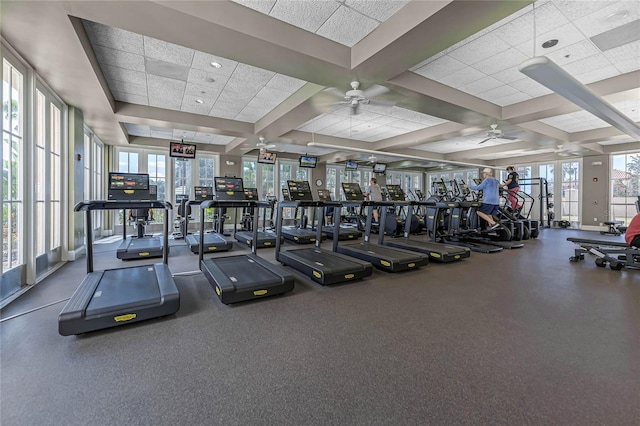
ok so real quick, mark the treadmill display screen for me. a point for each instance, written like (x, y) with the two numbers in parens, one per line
(395, 193)
(203, 193)
(442, 190)
(128, 181)
(300, 190)
(251, 193)
(352, 191)
(228, 188)
(285, 194)
(324, 195)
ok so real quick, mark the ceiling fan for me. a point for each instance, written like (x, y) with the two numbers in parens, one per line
(264, 145)
(563, 151)
(496, 133)
(372, 159)
(356, 97)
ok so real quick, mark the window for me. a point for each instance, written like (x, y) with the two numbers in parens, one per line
(625, 186)
(128, 162)
(93, 175)
(570, 207)
(182, 177)
(11, 153)
(55, 164)
(156, 167)
(249, 172)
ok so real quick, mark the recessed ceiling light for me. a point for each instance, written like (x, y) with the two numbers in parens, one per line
(216, 65)
(617, 16)
(199, 101)
(549, 43)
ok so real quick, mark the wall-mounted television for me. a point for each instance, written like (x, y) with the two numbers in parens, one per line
(308, 162)
(267, 157)
(351, 165)
(182, 150)
(379, 168)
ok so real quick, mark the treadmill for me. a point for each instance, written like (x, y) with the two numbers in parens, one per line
(389, 259)
(139, 246)
(116, 297)
(438, 252)
(265, 238)
(345, 233)
(247, 276)
(213, 241)
(320, 265)
(299, 234)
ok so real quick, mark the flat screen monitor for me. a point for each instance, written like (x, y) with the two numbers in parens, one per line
(379, 168)
(267, 157)
(308, 162)
(125, 181)
(299, 190)
(203, 193)
(251, 193)
(229, 188)
(351, 165)
(182, 150)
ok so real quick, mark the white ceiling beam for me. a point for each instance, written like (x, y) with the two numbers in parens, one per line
(422, 136)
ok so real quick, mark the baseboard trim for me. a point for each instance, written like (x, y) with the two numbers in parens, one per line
(75, 254)
(593, 228)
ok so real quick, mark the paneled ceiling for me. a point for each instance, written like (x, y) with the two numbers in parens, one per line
(224, 73)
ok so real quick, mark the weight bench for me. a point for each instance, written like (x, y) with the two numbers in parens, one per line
(614, 228)
(617, 254)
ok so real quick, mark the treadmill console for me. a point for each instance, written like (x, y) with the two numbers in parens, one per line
(229, 188)
(352, 191)
(203, 193)
(129, 186)
(285, 194)
(251, 194)
(324, 195)
(299, 190)
(395, 193)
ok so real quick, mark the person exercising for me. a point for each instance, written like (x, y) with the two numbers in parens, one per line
(375, 194)
(490, 197)
(511, 184)
(632, 234)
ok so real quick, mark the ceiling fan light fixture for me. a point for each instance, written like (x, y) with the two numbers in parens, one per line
(549, 74)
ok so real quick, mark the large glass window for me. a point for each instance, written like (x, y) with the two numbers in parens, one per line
(156, 167)
(249, 172)
(570, 207)
(55, 154)
(12, 147)
(128, 162)
(625, 186)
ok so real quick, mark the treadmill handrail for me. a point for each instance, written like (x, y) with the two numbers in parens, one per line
(121, 204)
(212, 204)
(292, 204)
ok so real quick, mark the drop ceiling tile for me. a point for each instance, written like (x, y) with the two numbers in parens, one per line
(157, 83)
(512, 99)
(479, 49)
(428, 60)
(517, 30)
(597, 75)
(528, 85)
(168, 52)
(243, 87)
(566, 35)
(592, 63)
(207, 79)
(119, 58)
(625, 58)
(497, 93)
(114, 38)
(165, 99)
(304, 14)
(254, 75)
(137, 130)
(509, 75)
(597, 22)
(126, 87)
(440, 68)
(482, 85)
(365, 127)
(573, 9)
(202, 61)
(166, 69)
(379, 10)
(225, 109)
(500, 62)
(235, 98)
(187, 135)
(161, 132)
(285, 83)
(202, 91)
(575, 52)
(262, 6)
(339, 26)
(130, 76)
(189, 104)
(462, 77)
(129, 98)
(273, 95)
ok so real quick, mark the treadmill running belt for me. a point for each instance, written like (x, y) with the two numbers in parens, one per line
(124, 289)
(336, 264)
(245, 273)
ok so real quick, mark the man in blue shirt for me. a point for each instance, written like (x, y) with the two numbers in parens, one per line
(490, 197)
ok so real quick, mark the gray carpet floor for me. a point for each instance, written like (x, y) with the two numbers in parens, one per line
(517, 337)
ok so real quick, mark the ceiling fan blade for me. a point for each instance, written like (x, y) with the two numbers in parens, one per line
(487, 139)
(381, 103)
(509, 138)
(375, 90)
(335, 92)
